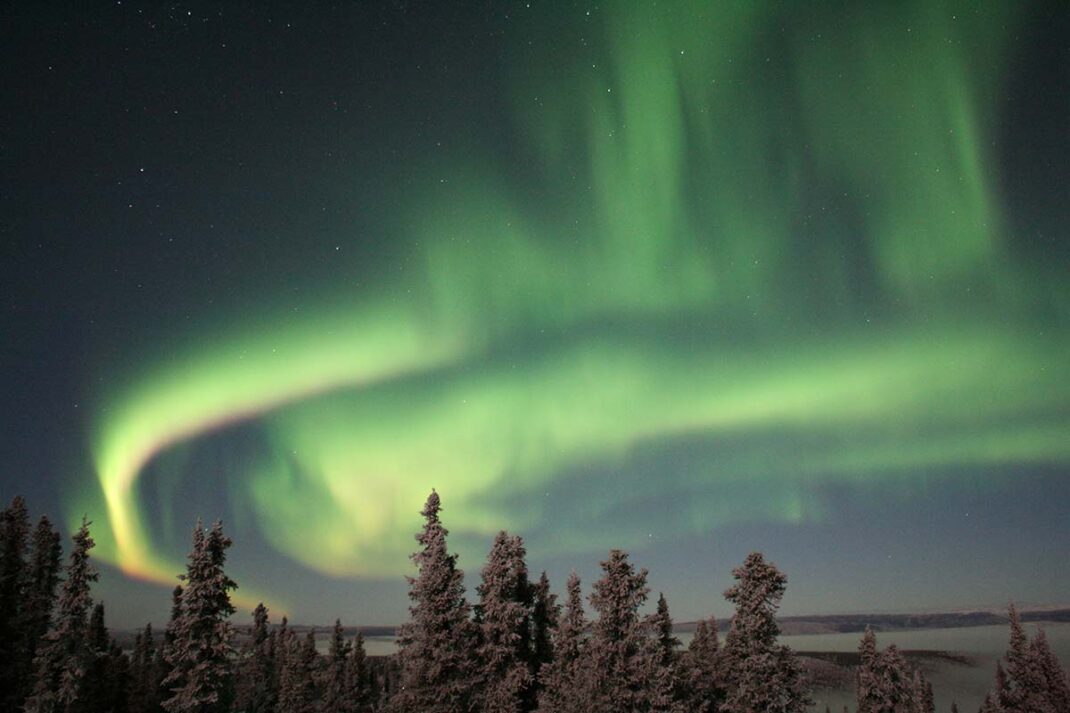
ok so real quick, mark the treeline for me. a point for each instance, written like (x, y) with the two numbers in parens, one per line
(517, 649)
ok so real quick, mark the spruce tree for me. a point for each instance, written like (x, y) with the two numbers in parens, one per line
(921, 695)
(335, 685)
(704, 687)
(545, 613)
(563, 681)
(928, 699)
(285, 641)
(256, 689)
(761, 676)
(117, 699)
(1032, 679)
(144, 674)
(867, 681)
(661, 673)
(96, 695)
(14, 534)
(39, 600)
(661, 624)
(167, 651)
(359, 680)
(886, 684)
(298, 692)
(1050, 674)
(199, 655)
(1020, 692)
(63, 657)
(619, 653)
(436, 647)
(506, 682)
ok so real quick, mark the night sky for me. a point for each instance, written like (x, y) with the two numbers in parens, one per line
(690, 279)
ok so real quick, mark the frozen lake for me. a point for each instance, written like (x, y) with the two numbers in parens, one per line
(964, 683)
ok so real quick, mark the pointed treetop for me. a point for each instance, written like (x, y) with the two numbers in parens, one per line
(432, 507)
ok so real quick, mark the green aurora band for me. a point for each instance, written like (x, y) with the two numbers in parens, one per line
(729, 229)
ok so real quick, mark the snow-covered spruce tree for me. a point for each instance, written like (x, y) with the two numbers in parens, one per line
(897, 682)
(285, 642)
(989, 705)
(1021, 690)
(1025, 683)
(359, 682)
(921, 691)
(436, 647)
(39, 599)
(703, 682)
(334, 674)
(563, 681)
(1050, 673)
(503, 613)
(63, 656)
(661, 625)
(298, 692)
(619, 656)
(867, 694)
(545, 613)
(199, 656)
(256, 687)
(760, 675)
(886, 684)
(14, 534)
(661, 660)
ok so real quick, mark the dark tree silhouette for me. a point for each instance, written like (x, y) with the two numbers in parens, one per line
(257, 688)
(298, 692)
(166, 650)
(14, 534)
(96, 695)
(39, 599)
(63, 657)
(144, 674)
(335, 674)
(359, 679)
(544, 618)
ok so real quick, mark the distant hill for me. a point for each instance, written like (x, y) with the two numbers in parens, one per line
(848, 623)
(790, 625)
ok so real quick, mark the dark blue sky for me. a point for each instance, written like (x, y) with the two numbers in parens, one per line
(690, 281)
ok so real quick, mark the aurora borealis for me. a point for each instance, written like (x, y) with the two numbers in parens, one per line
(609, 274)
